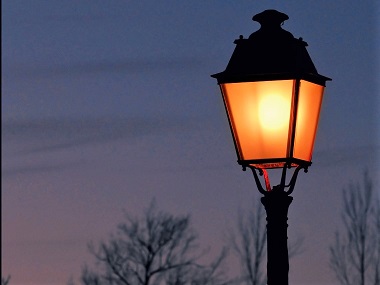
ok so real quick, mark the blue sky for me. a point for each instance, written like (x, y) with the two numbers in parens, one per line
(109, 104)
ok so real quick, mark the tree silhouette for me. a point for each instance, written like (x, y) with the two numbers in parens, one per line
(158, 249)
(249, 244)
(355, 254)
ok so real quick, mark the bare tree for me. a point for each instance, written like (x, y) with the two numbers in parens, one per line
(355, 254)
(158, 249)
(249, 244)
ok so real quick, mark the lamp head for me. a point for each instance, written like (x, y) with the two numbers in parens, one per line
(272, 93)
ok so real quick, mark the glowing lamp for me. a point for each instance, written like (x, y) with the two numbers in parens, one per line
(272, 94)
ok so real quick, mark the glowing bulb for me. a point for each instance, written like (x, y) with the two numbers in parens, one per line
(273, 112)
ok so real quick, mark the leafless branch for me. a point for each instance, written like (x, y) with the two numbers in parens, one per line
(354, 256)
(158, 249)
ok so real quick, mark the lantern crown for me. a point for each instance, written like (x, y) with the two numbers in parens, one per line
(270, 53)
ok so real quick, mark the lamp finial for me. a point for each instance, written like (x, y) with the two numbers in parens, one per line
(270, 18)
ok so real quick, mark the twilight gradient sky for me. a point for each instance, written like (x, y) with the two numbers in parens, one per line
(109, 104)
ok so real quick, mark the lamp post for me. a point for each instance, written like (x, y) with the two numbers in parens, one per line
(272, 94)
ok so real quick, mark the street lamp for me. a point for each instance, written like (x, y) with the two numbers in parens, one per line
(272, 94)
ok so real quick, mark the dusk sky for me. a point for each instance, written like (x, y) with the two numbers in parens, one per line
(107, 105)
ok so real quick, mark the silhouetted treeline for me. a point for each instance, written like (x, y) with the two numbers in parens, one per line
(355, 254)
(161, 248)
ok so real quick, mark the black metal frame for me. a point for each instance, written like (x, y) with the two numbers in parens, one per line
(314, 78)
(288, 161)
(282, 186)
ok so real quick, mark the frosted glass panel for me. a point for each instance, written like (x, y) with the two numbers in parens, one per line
(309, 105)
(259, 114)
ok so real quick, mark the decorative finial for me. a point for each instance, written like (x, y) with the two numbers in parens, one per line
(270, 18)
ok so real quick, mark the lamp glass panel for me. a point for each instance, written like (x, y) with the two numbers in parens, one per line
(259, 114)
(309, 105)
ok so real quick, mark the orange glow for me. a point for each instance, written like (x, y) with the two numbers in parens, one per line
(273, 112)
(261, 119)
(309, 104)
(260, 114)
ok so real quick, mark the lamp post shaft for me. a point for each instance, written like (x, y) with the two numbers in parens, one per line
(276, 204)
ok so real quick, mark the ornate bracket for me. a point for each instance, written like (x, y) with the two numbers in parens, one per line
(282, 186)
